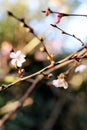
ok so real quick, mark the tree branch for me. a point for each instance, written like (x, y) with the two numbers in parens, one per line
(72, 35)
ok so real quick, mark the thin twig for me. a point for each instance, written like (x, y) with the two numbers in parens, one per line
(30, 29)
(52, 67)
(72, 35)
(30, 90)
(64, 14)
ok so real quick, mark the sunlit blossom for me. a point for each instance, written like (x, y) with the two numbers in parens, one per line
(18, 58)
(81, 68)
(60, 83)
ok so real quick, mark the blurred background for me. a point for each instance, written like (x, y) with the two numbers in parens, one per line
(48, 108)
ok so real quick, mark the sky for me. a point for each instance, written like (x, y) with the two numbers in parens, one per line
(73, 25)
(78, 27)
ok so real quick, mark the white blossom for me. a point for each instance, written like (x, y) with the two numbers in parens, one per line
(18, 58)
(80, 68)
(60, 83)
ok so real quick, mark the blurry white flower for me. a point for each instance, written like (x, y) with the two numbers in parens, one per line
(60, 83)
(17, 58)
(80, 68)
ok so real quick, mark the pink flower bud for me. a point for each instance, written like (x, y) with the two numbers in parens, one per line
(58, 18)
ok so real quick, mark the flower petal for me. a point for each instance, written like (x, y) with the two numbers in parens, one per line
(60, 83)
(23, 60)
(55, 82)
(18, 53)
(22, 55)
(12, 55)
(80, 68)
(65, 85)
(13, 62)
(19, 64)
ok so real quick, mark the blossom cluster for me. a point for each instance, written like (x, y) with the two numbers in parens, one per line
(61, 82)
(18, 58)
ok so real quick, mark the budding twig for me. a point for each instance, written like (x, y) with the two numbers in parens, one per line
(52, 67)
(63, 14)
(30, 29)
(72, 35)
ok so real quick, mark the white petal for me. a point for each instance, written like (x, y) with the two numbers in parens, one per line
(80, 68)
(55, 83)
(19, 64)
(22, 55)
(12, 55)
(23, 60)
(60, 83)
(13, 61)
(18, 53)
(65, 85)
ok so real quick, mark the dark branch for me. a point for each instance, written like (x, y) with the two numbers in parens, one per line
(72, 35)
